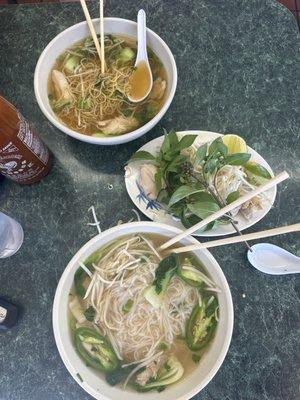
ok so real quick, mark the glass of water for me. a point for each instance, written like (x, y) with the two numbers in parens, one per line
(11, 236)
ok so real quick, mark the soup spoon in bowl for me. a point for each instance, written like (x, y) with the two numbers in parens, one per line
(141, 80)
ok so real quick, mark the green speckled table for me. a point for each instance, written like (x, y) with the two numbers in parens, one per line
(238, 64)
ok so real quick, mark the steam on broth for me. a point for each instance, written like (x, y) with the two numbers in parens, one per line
(97, 104)
(142, 317)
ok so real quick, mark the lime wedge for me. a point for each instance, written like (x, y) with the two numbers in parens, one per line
(235, 144)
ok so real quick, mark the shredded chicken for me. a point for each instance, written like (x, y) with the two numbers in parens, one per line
(158, 89)
(249, 208)
(61, 86)
(118, 125)
(147, 180)
(151, 371)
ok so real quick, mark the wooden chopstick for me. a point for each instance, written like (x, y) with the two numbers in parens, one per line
(238, 239)
(246, 197)
(103, 65)
(91, 27)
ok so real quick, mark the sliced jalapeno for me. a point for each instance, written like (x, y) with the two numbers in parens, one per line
(192, 278)
(201, 325)
(95, 350)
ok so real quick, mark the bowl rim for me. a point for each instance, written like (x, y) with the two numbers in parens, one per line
(55, 311)
(110, 140)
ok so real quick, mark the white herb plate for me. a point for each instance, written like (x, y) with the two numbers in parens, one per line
(152, 209)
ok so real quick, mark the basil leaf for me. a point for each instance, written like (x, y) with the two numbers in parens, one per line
(201, 153)
(211, 165)
(203, 209)
(238, 158)
(141, 155)
(186, 141)
(175, 163)
(188, 219)
(257, 169)
(218, 146)
(173, 139)
(163, 196)
(165, 147)
(232, 197)
(203, 196)
(158, 179)
(182, 192)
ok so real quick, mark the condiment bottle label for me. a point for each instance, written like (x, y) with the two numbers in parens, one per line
(16, 164)
(32, 141)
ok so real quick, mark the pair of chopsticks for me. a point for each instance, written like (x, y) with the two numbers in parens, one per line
(236, 239)
(100, 50)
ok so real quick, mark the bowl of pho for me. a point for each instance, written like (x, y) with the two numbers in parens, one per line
(132, 321)
(92, 106)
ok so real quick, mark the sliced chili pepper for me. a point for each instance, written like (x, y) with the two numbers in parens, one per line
(190, 277)
(95, 350)
(201, 325)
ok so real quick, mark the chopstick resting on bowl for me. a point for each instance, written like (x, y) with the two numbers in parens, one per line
(246, 197)
(91, 28)
(103, 65)
(237, 239)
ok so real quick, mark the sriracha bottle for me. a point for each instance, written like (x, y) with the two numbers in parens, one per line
(24, 158)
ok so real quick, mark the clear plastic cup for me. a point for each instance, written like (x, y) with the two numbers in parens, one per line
(11, 236)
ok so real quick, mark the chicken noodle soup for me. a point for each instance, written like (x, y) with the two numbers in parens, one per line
(142, 317)
(97, 104)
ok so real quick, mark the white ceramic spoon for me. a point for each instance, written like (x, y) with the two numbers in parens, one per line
(142, 62)
(273, 260)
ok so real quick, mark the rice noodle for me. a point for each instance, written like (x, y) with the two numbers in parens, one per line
(122, 275)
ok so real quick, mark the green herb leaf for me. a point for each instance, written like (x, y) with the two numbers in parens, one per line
(163, 196)
(257, 170)
(89, 313)
(175, 163)
(189, 219)
(163, 346)
(182, 192)
(127, 306)
(202, 197)
(186, 141)
(218, 146)
(165, 147)
(196, 358)
(60, 105)
(232, 197)
(173, 139)
(127, 112)
(166, 266)
(203, 209)
(238, 158)
(211, 165)
(142, 155)
(167, 366)
(158, 179)
(201, 153)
